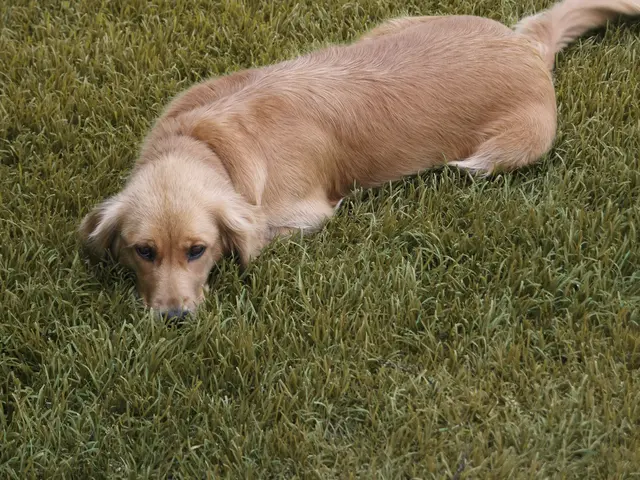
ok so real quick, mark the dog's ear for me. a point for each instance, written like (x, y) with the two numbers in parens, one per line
(241, 229)
(206, 129)
(99, 230)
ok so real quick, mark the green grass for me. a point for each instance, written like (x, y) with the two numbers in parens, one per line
(440, 327)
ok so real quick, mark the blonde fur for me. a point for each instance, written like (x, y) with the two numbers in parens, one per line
(237, 160)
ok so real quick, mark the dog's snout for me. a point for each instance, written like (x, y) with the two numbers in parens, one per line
(175, 314)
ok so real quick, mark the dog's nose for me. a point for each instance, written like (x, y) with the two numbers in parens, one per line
(175, 314)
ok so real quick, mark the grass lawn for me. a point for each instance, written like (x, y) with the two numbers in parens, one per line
(441, 327)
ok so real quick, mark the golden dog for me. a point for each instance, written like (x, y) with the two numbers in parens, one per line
(237, 160)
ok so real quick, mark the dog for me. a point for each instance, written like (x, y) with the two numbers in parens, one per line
(236, 161)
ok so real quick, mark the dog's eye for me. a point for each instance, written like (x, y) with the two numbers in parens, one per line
(146, 252)
(196, 252)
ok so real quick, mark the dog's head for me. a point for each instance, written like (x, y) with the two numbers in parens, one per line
(176, 217)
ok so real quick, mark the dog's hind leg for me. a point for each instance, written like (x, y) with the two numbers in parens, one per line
(512, 144)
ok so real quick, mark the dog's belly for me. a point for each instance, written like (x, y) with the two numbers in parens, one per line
(307, 214)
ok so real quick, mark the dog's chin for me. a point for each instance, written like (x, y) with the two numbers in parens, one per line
(175, 314)
(171, 315)
(173, 319)
(184, 313)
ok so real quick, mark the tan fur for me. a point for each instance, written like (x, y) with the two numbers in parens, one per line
(554, 29)
(237, 160)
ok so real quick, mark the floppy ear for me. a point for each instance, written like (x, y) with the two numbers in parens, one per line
(242, 231)
(99, 230)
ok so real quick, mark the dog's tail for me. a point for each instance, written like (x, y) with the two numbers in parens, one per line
(553, 29)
